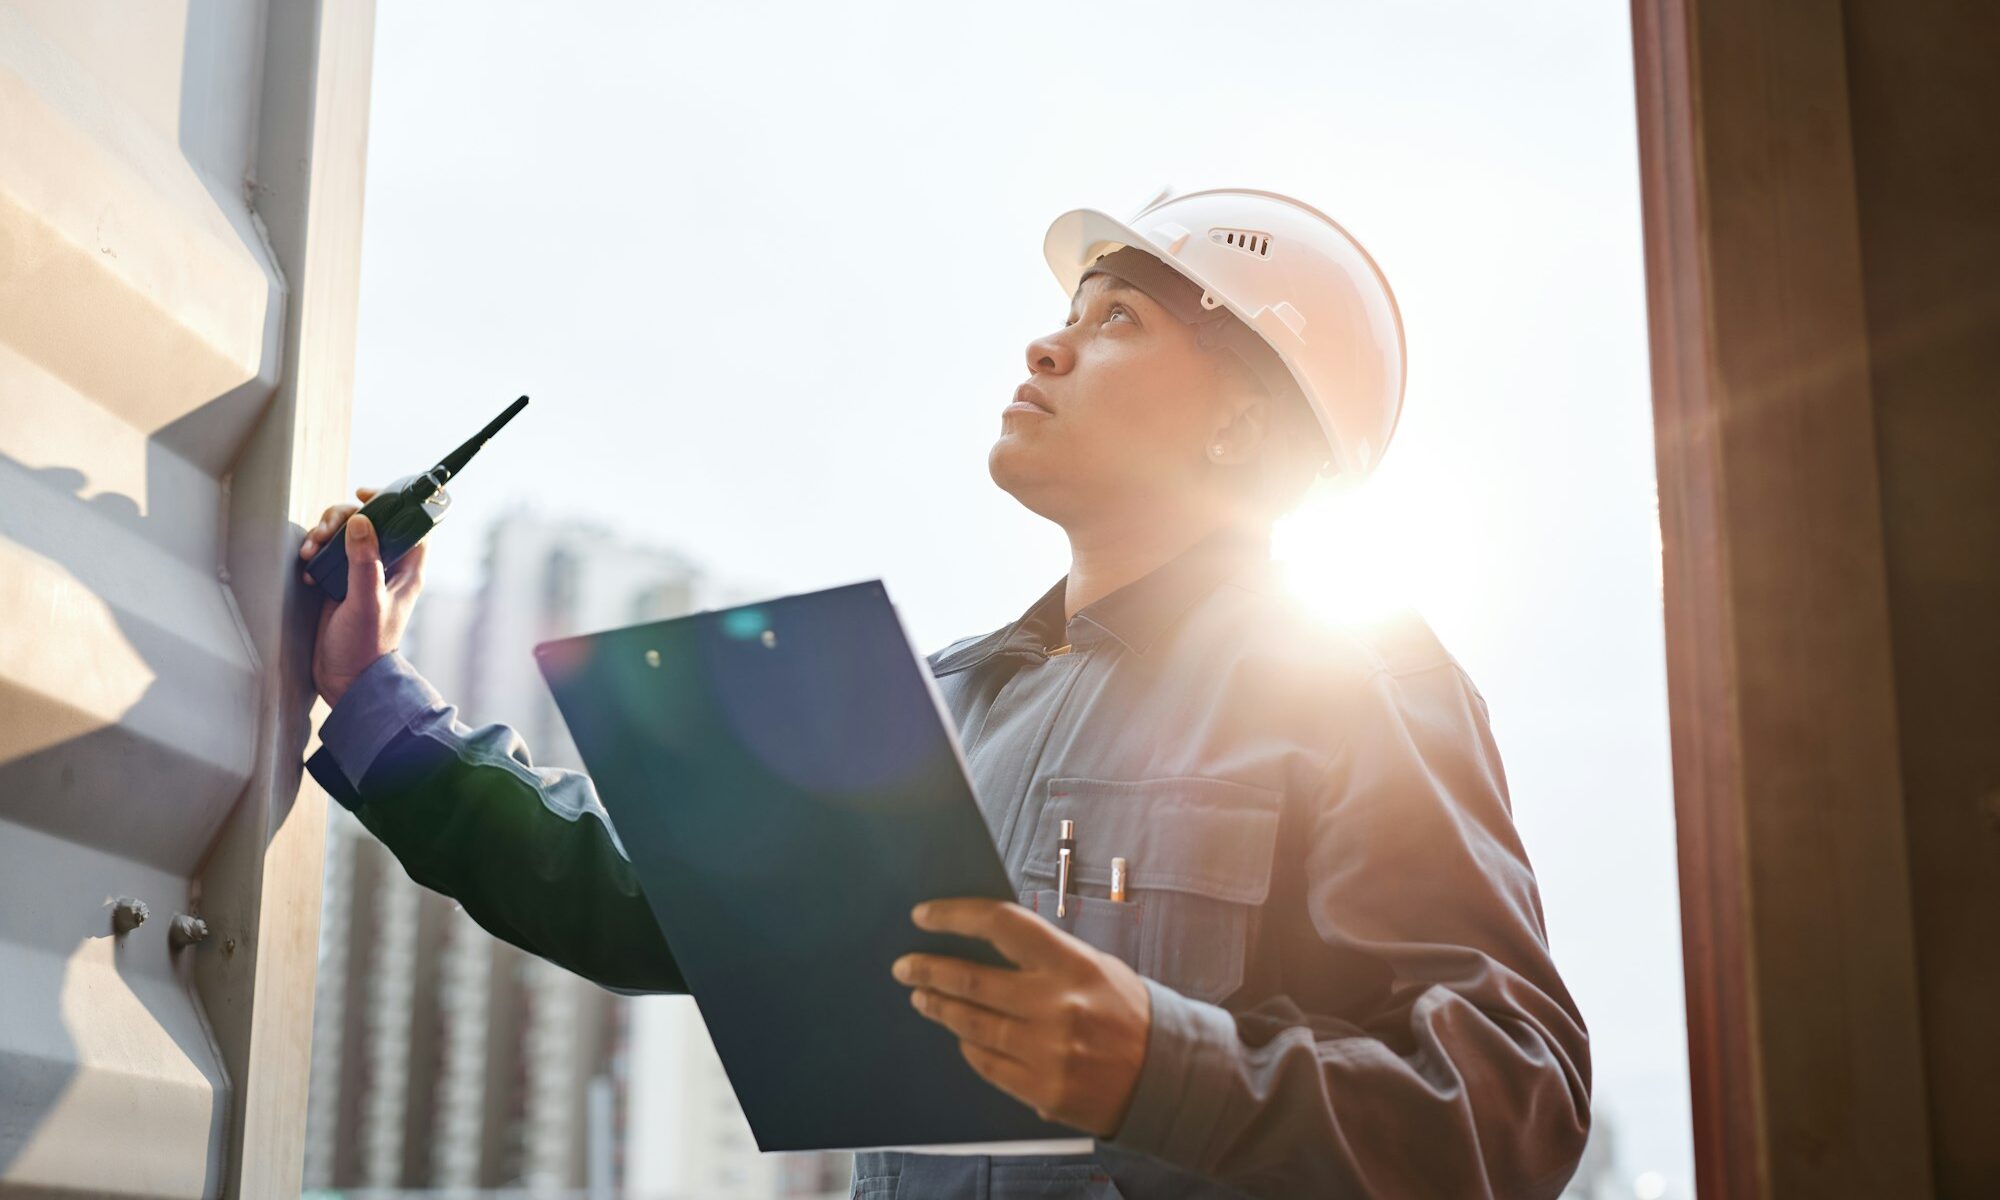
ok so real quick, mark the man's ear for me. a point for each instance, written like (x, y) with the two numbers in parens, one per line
(1244, 425)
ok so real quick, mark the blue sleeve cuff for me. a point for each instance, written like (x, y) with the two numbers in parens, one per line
(1191, 1051)
(379, 704)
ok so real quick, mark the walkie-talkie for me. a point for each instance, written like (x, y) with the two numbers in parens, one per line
(403, 512)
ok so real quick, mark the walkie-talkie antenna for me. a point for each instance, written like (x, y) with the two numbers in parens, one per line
(454, 462)
(403, 512)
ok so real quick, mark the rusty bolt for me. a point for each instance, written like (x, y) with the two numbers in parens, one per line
(186, 931)
(127, 914)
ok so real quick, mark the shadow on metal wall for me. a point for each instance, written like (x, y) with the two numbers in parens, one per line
(106, 1023)
(152, 711)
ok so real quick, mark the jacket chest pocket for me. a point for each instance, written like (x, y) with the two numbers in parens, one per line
(1198, 855)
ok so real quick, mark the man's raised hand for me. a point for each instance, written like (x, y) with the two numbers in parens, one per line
(369, 623)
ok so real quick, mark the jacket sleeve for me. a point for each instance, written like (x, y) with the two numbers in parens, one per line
(1467, 1071)
(528, 851)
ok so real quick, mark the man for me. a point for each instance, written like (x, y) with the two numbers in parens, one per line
(1329, 975)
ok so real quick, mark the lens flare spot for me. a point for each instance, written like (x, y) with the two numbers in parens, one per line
(744, 622)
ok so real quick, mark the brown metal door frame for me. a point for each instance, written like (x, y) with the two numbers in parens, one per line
(1803, 1033)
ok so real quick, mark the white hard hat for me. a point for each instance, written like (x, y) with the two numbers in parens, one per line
(1288, 272)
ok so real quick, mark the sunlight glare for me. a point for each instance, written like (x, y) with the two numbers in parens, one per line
(1350, 553)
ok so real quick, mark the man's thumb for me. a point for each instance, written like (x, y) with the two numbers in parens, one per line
(364, 558)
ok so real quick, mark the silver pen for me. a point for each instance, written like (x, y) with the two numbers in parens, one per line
(1065, 853)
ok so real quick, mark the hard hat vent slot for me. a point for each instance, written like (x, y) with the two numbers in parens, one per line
(1249, 241)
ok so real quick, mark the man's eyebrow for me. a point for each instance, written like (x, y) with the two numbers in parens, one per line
(1116, 285)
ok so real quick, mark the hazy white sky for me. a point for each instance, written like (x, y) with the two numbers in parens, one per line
(769, 272)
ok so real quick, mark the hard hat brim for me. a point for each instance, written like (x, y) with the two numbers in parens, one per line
(1077, 237)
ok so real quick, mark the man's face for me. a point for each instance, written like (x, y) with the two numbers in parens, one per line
(1130, 404)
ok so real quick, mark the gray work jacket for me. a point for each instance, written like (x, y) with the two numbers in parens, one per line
(1352, 991)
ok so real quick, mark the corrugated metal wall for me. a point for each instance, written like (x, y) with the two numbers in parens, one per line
(180, 189)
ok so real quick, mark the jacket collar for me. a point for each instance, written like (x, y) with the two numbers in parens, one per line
(1136, 614)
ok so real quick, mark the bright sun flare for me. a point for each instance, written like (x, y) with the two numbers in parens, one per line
(1357, 555)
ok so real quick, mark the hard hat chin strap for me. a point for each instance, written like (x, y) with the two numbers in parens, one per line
(1242, 341)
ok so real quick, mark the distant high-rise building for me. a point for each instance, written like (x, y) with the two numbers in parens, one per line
(1596, 1175)
(445, 1058)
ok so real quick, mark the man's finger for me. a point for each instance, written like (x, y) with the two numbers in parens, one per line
(366, 493)
(310, 545)
(328, 522)
(1025, 938)
(408, 573)
(996, 988)
(364, 561)
(981, 1026)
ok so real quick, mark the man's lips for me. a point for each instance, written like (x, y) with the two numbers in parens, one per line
(1028, 397)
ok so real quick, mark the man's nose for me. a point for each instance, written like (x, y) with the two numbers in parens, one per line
(1049, 355)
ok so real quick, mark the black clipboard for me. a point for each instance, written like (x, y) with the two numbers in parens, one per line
(788, 783)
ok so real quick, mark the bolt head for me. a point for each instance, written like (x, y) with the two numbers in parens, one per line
(186, 931)
(127, 914)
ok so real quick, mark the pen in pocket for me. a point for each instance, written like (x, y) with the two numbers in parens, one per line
(1065, 854)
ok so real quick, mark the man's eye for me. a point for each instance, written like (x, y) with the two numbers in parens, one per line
(1119, 308)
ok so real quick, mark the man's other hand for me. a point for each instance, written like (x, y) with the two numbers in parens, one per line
(369, 623)
(1065, 1034)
